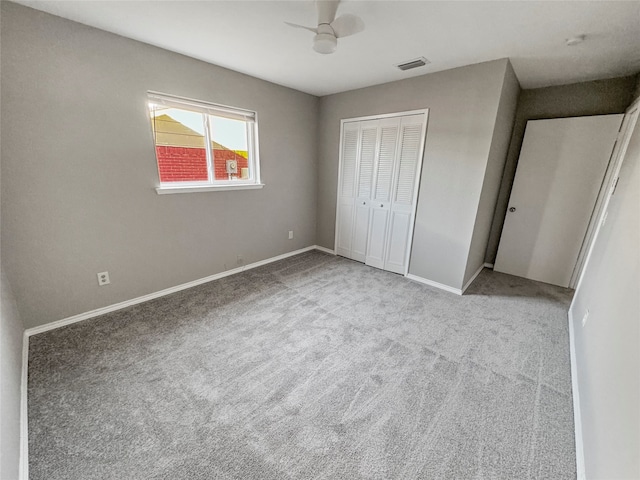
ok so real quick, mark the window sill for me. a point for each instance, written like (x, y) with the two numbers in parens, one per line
(207, 188)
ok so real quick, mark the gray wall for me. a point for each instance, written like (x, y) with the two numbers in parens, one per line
(463, 104)
(79, 170)
(11, 331)
(600, 97)
(607, 355)
(493, 175)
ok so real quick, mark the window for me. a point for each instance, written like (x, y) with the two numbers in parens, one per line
(203, 147)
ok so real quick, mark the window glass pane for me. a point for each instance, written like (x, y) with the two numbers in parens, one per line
(179, 139)
(229, 149)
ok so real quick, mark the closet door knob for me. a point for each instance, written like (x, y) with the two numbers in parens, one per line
(512, 209)
(381, 205)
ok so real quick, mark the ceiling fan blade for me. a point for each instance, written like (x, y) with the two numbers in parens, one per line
(346, 25)
(327, 10)
(295, 25)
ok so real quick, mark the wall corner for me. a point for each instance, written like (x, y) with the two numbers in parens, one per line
(493, 173)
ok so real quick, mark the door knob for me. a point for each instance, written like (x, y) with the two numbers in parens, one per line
(381, 205)
(512, 209)
(364, 203)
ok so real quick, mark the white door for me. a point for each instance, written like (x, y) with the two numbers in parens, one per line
(382, 189)
(346, 189)
(368, 139)
(406, 180)
(560, 171)
(380, 162)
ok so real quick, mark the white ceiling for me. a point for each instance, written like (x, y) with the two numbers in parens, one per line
(251, 37)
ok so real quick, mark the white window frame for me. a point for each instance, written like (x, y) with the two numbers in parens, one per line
(212, 185)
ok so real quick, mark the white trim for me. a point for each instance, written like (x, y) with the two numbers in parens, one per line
(618, 150)
(466, 285)
(339, 186)
(208, 188)
(325, 250)
(488, 265)
(385, 115)
(208, 109)
(201, 105)
(431, 283)
(442, 286)
(167, 291)
(635, 106)
(23, 468)
(577, 417)
(254, 152)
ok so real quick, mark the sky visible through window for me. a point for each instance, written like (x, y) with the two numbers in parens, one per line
(230, 133)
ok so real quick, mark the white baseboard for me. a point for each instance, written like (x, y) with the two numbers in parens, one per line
(466, 285)
(442, 286)
(431, 283)
(577, 417)
(488, 265)
(325, 250)
(23, 468)
(167, 291)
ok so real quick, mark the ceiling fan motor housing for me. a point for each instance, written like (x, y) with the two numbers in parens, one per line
(325, 42)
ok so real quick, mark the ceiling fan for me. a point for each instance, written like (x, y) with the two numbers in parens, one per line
(330, 28)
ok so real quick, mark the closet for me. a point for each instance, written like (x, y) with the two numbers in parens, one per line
(379, 174)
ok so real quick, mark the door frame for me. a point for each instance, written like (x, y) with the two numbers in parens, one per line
(422, 111)
(609, 182)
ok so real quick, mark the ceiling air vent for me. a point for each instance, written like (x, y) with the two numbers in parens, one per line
(415, 63)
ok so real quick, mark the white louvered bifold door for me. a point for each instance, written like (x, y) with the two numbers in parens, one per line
(383, 175)
(347, 188)
(404, 193)
(368, 144)
(380, 161)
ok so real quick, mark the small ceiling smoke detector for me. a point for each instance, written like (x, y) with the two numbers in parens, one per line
(570, 42)
(415, 63)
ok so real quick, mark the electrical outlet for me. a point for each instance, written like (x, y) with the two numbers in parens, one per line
(290, 234)
(103, 278)
(586, 315)
(239, 260)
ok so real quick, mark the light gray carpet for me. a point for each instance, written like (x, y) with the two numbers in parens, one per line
(315, 367)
